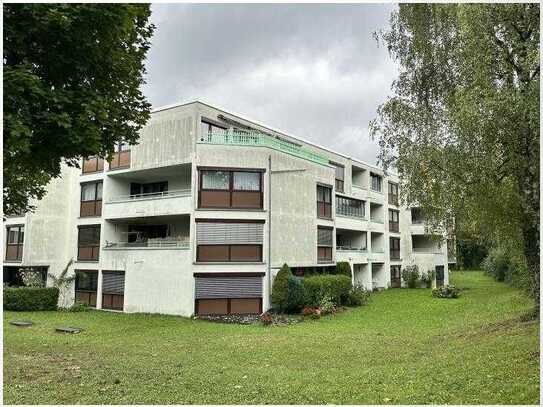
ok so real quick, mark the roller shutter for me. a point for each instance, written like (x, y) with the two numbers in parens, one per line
(324, 237)
(217, 233)
(228, 294)
(112, 282)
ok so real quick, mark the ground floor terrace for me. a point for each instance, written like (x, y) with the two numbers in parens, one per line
(404, 347)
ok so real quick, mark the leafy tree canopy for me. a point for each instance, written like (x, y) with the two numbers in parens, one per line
(72, 77)
(462, 128)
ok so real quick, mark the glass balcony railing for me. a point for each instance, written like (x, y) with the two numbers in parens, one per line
(151, 195)
(258, 139)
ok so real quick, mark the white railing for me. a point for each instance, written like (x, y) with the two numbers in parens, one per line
(150, 195)
(150, 243)
(350, 249)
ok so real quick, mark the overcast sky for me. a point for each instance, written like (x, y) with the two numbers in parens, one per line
(313, 71)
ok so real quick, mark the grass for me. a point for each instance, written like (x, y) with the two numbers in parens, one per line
(405, 347)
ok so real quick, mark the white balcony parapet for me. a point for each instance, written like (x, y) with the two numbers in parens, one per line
(351, 249)
(150, 195)
(160, 243)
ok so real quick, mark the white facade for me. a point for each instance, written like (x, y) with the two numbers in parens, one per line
(167, 269)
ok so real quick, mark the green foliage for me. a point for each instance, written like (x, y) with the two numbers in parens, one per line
(30, 298)
(411, 276)
(77, 307)
(31, 278)
(317, 287)
(470, 254)
(295, 300)
(280, 297)
(504, 265)
(447, 291)
(72, 87)
(462, 128)
(426, 279)
(358, 296)
(343, 267)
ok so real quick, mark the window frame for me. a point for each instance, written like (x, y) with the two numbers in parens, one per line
(344, 198)
(121, 149)
(99, 167)
(378, 177)
(395, 251)
(326, 206)
(97, 203)
(327, 248)
(393, 225)
(393, 197)
(339, 182)
(94, 247)
(231, 191)
(19, 245)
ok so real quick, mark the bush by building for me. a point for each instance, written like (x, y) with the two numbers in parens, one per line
(31, 298)
(447, 291)
(280, 286)
(316, 287)
(411, 276)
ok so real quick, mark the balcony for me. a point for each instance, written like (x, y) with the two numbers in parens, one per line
(359, 192)
(258, 139)
(175, 202)
(157, 243)
(351, 254)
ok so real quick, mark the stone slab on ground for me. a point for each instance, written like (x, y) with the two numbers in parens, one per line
(68, 330)
(22, 323)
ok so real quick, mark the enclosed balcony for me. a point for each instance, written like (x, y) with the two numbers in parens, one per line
(154, 192)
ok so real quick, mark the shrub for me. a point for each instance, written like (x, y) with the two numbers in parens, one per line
(266, 319)
(316, 287)
(31, 298)
(344, 268)
(295, 296)
(311, 312)
(327, 306)
(411, 276)
(358, 296)
(77, 307)
(507, 266)
(447, 291)
(497, 264)
(280, 289)
(426, 279)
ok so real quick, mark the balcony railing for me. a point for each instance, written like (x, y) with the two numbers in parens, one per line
(160, 243)
(373, 220)
(377, 250)
(257, 139)
(351, 249)
(151, 195)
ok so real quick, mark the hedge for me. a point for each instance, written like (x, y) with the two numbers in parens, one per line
(31, 298)
(336, 287)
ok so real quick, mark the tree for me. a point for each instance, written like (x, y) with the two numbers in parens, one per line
(462, 128)
(280, 287)
(72, 77)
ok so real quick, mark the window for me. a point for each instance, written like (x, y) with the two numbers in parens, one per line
(349, 207)
(375, 182)
(396, 276)
(121, 157)
(142, 233)
(394, 248)
(340, 176)
(113, 290)
(152, 188)
(324, 202)
(92, 164)
(393, 220)
(229, 241)
(86, 283)
(393, 193)
(417, 216)
(14, 242)
(88, 242)
(324, 244)
(13, 275)
(91, 199)
(231, 189)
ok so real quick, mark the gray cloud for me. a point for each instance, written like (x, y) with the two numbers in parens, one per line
(313, 71)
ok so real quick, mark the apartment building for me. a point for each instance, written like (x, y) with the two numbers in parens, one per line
(200, 215)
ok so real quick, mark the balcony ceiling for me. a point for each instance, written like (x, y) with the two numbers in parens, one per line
(161, 172)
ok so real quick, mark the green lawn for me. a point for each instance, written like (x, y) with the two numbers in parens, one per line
(405, 347)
